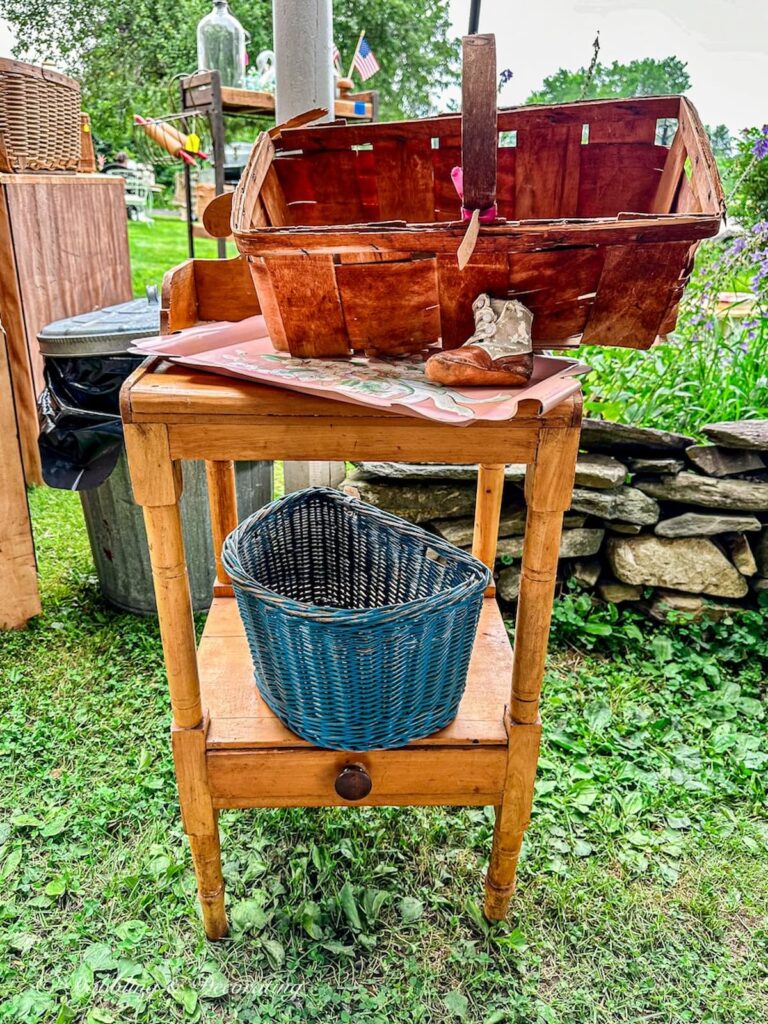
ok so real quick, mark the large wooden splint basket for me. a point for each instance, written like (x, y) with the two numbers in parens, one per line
(351, 231)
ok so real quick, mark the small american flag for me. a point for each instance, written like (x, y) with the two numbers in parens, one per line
(364, 61)
(336, 55)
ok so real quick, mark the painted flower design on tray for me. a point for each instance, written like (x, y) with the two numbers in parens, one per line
(402, 380)
(243, 349)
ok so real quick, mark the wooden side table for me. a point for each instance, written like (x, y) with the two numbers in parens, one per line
(229, 749)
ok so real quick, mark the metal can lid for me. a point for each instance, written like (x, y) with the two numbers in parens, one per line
(102, 332)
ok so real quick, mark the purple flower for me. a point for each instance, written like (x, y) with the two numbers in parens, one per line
(507, 75)
(760, 147)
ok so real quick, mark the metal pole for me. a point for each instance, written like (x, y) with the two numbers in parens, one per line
(474, 17)
(188, 205)
(303, 32)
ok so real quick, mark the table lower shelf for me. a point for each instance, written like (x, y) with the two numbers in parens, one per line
(253, 760)
(239, 718)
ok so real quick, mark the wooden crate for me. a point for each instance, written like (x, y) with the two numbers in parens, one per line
(63, 251)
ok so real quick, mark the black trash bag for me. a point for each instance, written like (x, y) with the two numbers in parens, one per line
(81, 433)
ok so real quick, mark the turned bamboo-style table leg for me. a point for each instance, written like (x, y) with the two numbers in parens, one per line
(548, 489)
(156, 481)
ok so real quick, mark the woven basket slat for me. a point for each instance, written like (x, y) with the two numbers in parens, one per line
(360, 625)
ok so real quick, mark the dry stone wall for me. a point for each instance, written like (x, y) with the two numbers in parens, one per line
(656, 517)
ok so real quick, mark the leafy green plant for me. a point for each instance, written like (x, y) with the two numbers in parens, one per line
(749, 174)
(715, 366)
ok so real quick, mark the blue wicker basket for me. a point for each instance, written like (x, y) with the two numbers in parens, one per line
(360, 624)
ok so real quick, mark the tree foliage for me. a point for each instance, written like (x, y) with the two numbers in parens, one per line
(646, 77)
(127, 53)
(721, 140)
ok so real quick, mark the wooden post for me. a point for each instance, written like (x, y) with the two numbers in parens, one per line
(156, 481)
(222, 501)
(87, 163)
(512, 819)
(19, 597)
(548, 490)
(490, 490)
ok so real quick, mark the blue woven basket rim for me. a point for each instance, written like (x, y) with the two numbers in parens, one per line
(479, 578)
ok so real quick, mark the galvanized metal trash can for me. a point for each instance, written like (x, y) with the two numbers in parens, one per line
(86, 361)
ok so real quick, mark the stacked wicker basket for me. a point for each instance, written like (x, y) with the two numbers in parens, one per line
(39, 119)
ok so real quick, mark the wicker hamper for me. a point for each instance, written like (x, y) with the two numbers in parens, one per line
(39, 119)
(360, 625)
(351, 231)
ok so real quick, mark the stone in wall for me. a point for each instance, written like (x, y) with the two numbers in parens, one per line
(655, 467)
(414, 502)
(761, 552)
(694, 606)
(586, 571)
(600, 471)
(602, 435)
(508, 583)
(741, 554)
(428, 471)
(591, 471)
(705, 524)
(511, 524)
(616, 592)
(573, 544)
(695, 565)
(740, 434)
(630, 529)
(716, 461)
(711, 492)
(625, 504)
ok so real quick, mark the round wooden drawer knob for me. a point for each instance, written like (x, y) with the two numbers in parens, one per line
(353, 782)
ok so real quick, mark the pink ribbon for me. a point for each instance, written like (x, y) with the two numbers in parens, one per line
(487, 216)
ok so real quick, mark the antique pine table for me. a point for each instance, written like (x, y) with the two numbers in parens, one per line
(230, 751)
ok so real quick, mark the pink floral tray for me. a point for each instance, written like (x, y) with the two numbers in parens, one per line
(243, 349)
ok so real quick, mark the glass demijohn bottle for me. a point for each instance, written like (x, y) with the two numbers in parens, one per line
(221, 45)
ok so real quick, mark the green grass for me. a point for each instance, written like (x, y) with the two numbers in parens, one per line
(160, 245)
(643, 886)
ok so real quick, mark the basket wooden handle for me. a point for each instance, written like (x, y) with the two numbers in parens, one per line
(479, 139)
